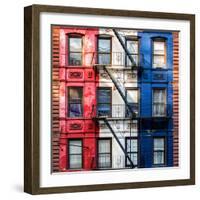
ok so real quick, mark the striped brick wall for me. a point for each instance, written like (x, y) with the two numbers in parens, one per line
(55, 98)
(176, 98)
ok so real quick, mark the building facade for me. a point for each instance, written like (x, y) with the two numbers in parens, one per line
(114, 98)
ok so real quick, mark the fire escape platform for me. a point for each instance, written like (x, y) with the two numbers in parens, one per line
(111, 66)
(114, 118)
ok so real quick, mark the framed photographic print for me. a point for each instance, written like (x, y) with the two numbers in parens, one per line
(109, 99)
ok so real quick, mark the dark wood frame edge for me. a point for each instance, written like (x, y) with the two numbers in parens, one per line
(32, 107)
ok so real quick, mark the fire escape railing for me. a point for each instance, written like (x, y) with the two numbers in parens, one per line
(124, 48)
(115, 111)
(122, 91)
(119, 143)
(118, 85)
(121, 111)
(114, 59)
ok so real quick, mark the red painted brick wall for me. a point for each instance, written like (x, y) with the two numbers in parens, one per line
(64, 76)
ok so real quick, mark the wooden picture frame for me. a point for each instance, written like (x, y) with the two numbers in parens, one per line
(32, 106)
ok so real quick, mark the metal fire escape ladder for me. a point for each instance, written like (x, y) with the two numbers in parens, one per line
(116, 83)
(121, 146)
(124, 47)
(121, 90)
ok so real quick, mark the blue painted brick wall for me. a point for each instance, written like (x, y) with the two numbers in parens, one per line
(155, 78)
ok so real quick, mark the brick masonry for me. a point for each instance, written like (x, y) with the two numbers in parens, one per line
(57, 87)
(55, 98)
(176, 98)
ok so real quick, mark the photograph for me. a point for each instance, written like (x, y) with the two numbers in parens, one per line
(114, 98)
(109, 99)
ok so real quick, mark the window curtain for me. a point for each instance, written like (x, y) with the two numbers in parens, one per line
(159, 151)
(159, 107)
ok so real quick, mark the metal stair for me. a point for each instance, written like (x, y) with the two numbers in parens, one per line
(124, 47)
(119, 86)
(115, 136)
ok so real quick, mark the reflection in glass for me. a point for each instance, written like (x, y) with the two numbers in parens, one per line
(75, 101)
(75, 154)
(75, 51)
(104, 153)
(104, 101)
(159, 149)
(104, 51)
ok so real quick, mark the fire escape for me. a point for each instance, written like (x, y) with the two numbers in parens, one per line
(122, 91)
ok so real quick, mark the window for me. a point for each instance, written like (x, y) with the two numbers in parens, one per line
(75, 50)
(104, 50)
(159, 151)
(133, 47)
(132, 96)
(104, 153)
(75, 154)
(159, 53)
(132, 151)
(104, 101)
(75, 107)
(159, 102)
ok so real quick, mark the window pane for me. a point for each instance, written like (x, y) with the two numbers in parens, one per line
(104, 45)
(104, 146)
(75, 110)
(132, 46)
(132, 96)
(75, 44)
(134, 109)
(132, 150)
(104, 96)
(104, 161)
(75, 94)
(159, 47)
(159, 144)
(104, 59)
(75, 147)
(75, 102)
(75, 161)
(133, 157)
(159, 95)
(135, 59)
(158, 61)
(159, 109)
(75, 59)
(132, 99)
(159, 99)
(158, 158)
(104, 109)
(132, 145)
